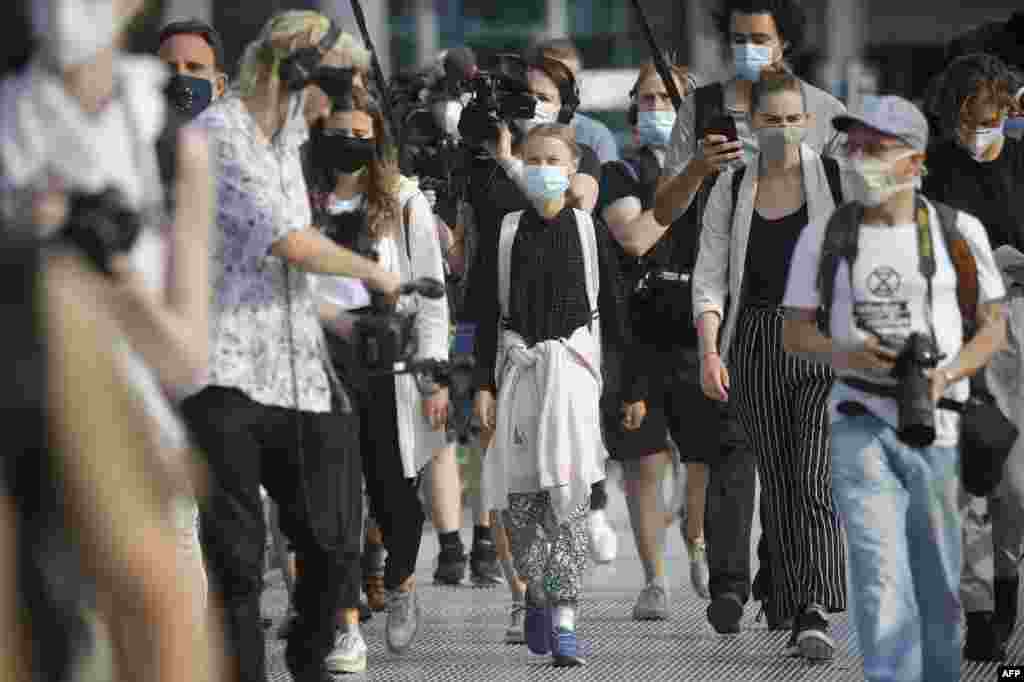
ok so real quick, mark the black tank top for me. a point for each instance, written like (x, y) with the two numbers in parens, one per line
(769, 250)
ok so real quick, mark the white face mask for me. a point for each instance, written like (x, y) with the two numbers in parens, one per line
(74, 31)
(872, 181)
(542, 114)
(447, 114)
(984, 139)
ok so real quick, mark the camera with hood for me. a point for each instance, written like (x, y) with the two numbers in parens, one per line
(498, 95)
(916, 409)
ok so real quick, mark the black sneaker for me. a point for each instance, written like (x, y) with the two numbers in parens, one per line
(810, 636)
(451, 567)
(983, 642)
(484, 568)
(724, 613)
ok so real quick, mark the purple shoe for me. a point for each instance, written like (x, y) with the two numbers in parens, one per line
(538, 625)
(564, 648)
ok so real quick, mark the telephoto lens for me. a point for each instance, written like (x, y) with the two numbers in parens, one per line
(916, 409)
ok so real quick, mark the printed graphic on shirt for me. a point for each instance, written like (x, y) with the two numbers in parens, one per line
(890, 318)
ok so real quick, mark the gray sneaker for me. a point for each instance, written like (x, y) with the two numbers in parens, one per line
(515, 634)
(652, 604)
(403, 620)
(348, 654)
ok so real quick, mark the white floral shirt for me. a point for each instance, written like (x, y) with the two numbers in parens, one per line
(261, 198)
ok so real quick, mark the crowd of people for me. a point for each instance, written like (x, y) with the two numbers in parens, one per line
(761, 287)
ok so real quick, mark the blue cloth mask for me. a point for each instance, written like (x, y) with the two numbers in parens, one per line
(655, 127)
(749, 59)
(544, 183)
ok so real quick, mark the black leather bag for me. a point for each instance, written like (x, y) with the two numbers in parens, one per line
(986, 439)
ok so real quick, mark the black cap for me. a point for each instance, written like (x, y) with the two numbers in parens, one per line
(200, 28)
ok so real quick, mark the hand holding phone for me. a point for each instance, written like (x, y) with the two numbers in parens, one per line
(721, 147)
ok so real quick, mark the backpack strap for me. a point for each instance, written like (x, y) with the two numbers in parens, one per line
(842, 234)
(509, 228)
(592, 269)
(737, 180)
(963, 262)
(835, 183)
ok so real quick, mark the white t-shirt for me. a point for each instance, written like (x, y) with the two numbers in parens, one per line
(890, 296)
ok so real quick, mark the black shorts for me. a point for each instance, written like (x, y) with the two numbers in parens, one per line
(675, 404)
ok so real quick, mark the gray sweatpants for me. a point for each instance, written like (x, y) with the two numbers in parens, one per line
(993, 531)
(993, 528)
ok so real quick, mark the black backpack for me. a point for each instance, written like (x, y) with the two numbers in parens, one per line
(842, 241)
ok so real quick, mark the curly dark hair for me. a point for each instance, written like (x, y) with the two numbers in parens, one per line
(964, 80)
(790, 19)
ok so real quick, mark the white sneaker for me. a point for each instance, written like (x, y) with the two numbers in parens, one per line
(699, 572)
(515, 634)
(348, 654)
(604, 541)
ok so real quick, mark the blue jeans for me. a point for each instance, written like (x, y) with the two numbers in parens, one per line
(899, 506)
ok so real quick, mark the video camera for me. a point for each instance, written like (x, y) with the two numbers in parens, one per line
(385, 344)
(500, 94)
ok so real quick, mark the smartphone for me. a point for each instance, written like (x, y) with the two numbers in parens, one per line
(723, 125)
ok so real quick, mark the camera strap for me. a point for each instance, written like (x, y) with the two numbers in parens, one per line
(925, 260)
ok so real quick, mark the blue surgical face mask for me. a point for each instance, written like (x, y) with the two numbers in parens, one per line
(544, 183)
(749, 59)
(655, 127)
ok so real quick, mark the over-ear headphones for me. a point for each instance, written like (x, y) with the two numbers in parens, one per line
(633, 113)
(297, 68)
(570, 94)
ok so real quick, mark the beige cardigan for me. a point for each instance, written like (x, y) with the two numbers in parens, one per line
(718, 274)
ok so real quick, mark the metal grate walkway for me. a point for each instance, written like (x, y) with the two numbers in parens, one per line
(462, 637)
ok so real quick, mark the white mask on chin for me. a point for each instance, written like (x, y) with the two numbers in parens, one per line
(74, 31)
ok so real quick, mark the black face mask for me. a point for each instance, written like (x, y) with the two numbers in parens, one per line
(342, 154)
(189, 94)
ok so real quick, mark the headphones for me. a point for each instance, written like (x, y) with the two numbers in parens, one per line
(297, 68)
(633, 113)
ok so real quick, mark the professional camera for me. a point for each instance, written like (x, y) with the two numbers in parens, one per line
(916, 409)
(102, 226)
(500, 94)
(386, 344)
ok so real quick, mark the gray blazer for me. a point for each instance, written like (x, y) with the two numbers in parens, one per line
(723, 240)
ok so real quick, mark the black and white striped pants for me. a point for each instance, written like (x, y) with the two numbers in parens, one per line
(783, 406)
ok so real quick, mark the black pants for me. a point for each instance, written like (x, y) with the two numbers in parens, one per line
(729, 505)
(394, 499)
(247, 445)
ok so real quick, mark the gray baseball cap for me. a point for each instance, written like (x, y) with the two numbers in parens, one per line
(889, 115)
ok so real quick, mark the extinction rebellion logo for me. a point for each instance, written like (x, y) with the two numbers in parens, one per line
(884, 282)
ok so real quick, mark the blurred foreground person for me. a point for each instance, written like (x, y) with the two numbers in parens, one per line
(84, 489)
(90, 155)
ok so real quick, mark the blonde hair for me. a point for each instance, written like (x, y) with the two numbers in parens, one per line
(557, 131)
(263, 56)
